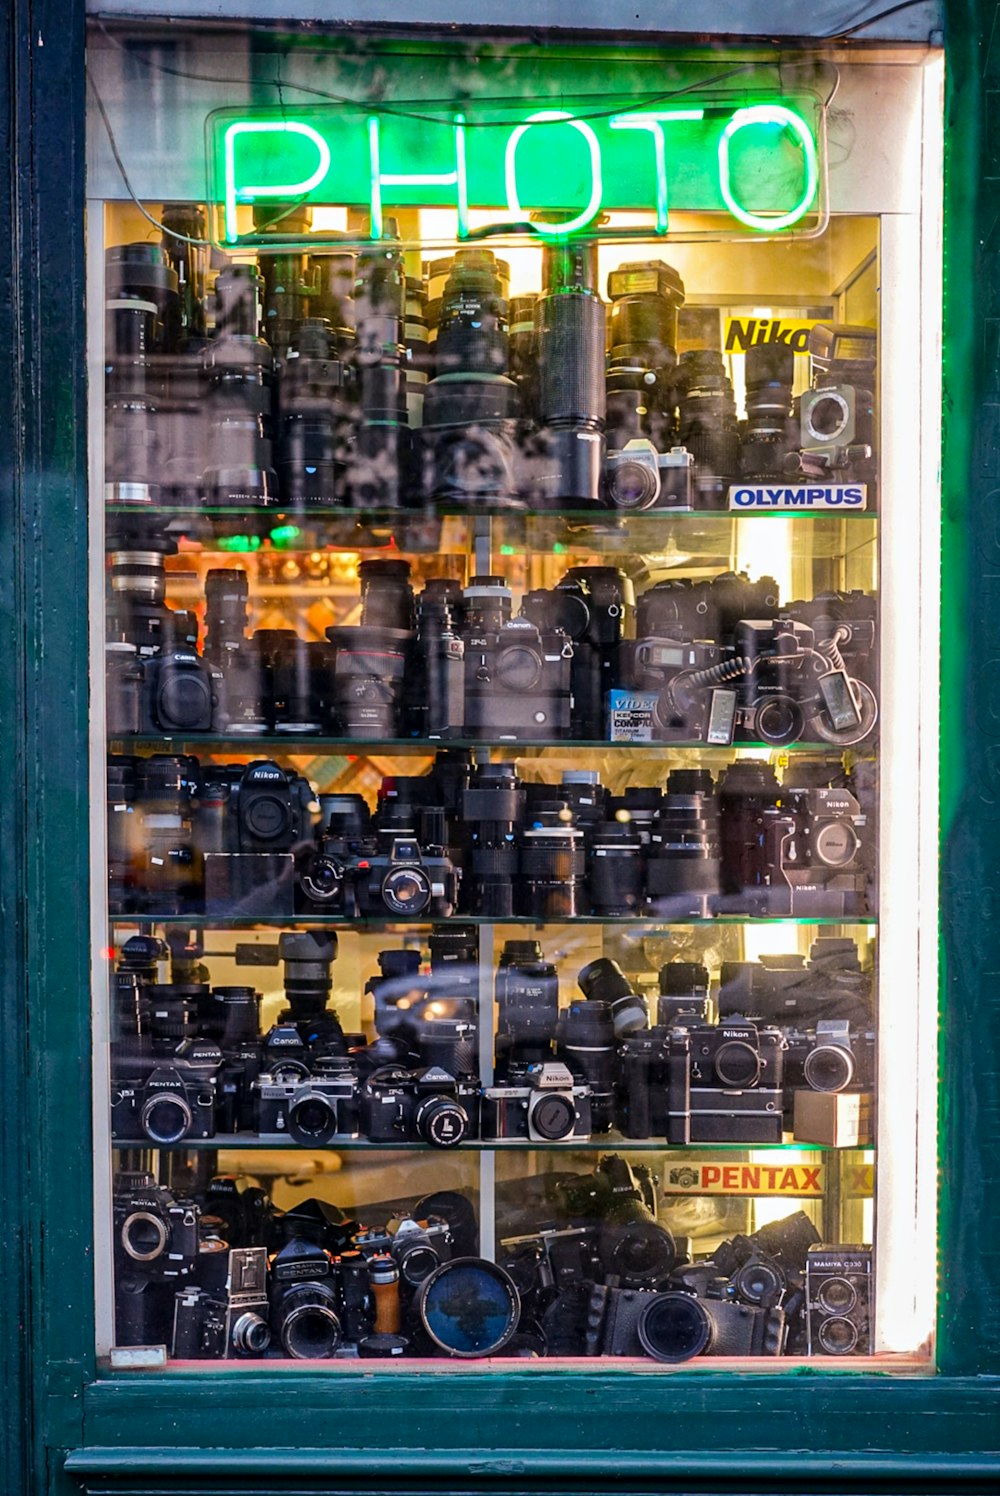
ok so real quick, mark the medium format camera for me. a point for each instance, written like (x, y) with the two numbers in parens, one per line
(839, 1301)
(420, 1106)
(304, 1301)
(542, 1104)
(407, 876)
(229, 1321)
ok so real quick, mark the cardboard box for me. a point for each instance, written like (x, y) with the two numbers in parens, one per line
(841, 1119)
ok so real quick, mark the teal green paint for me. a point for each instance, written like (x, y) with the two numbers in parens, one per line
(709, 158)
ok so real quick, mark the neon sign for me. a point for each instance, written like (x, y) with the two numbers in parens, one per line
(759, 163)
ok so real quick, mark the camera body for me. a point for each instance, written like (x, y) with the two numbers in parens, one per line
(821, 863)
(181, 692)
(832, 1057)
(517, 681)
(264, 809)
(400, 878)
(228, 1322)
(309, 1109)
(725, 1082)
(540, 1104)
(155, 1232)
(420, 1106)
(163, 1097)
(417, 1247)
(839, 1301)
(638, 477)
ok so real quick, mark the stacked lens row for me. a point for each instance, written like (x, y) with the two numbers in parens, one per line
(189, 1059)
(252, 839)
(589, 1271)
(334, 378)
(718, 661)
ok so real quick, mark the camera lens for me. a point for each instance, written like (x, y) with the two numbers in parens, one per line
(759, 1282)
(640, 1253)
(450, 1043)
(169, 1011)
(386, 595)
(675, 1327)
(708, 418)
(312, 1119)
(239, 367)
(165, 1118)
(441, 1121)
(828, 1067)
(837, 1337)
(637, 809)
(570, 321)
(587, 1048)
(493, 806)
(406, 890)
(488, 604)
(380, 299)
(368, 670)
(837, 1296)
(241, 1009)
(768, 438)
(616, 880)
(316, 416)
(307, 1323)
(604, 981)
(551, 863)
(683, 989)
(682, 868)
(307, 956)
(527, 998)
(469, 1307)
(250, 1335)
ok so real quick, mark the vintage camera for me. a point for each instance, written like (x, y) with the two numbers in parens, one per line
(645, 297)
(696, 700)
(417, 1247)
(409, 874)
(310, 1110)
(677, 1326)
(219, 1324)
(250, 818)
(156, 1244)
(639, 477)
(539, 1103)
(819, 862)
(419, 1106)
(594, 607)
(242, 1209)
(304, 1301)
(830, 1058)
(166, 867)
(837, 416)
(705, 610)
(327, 872)
(726, 1081)
(839, 1301)
(164, 1098)
(517, 676)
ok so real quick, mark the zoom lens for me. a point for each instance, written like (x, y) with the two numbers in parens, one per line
(308, 956)
(683, 869)
(587, 1048)
(552, 863)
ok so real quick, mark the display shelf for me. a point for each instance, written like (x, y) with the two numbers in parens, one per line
(241, 1142)
(293, 742)
(632, 921)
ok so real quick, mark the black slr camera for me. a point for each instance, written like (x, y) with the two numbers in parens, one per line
(420, 1106)
(678, 1325)
(518, 682)
(156, 1243)
(163, 1097)
(250, 818)
(732, 1090)
(594, 607)
(830, 1057)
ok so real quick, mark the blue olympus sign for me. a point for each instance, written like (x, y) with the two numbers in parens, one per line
(799, 496)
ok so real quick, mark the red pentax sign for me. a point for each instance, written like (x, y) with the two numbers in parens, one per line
(802, 1180)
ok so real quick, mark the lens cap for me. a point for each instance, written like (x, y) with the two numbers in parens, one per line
(469, 1307)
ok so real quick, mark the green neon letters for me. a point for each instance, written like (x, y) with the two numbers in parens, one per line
(702, 158)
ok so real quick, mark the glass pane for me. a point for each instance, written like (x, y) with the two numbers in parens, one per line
(506, 608)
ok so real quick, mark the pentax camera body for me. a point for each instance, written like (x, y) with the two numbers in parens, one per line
(417, 1247)
(518, 677)
(224, 1322)
(730, 1087)
(539, 1103)
(839, 1301)
(163, 1097)
(156, 1244)
(427, 1105)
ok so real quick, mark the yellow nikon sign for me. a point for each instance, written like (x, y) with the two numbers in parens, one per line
(751, 332)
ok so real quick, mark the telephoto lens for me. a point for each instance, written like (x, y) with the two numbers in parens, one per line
(586, 1045)
(244, 708)
(493, 807)
(239, 367)
(527, 999)
(308, 956)
(381, 458)
(684, 993)
(293, 689)
(616, 870)
(523, 360)
(287, 282)
(141, 316)
(682, 866)
(316, 417)
(436, 683)
(419, 362)
(184, 225)
(551, 863)
(707, 426)
(604, 981)
(770, 433)
(137, 609)
(471, 405)
(567, 462)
